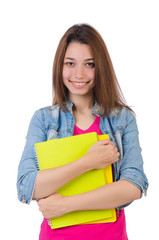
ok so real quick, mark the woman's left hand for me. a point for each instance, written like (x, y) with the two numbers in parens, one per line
(53, 206)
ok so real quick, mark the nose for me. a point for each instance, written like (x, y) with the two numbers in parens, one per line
(79, 72)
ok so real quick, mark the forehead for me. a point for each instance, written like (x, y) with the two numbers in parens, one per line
(78, 50)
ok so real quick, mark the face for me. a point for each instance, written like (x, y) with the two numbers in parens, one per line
(79, 69)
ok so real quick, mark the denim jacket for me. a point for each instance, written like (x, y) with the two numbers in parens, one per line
(54, 123)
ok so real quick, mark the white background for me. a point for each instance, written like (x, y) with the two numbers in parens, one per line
(30, 31)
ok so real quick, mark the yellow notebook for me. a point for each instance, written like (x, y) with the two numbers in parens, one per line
(57, 152)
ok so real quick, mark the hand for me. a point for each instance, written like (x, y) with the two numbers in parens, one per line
(102, 154)
(52, 206)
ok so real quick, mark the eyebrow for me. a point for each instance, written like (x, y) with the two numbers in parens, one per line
(88, 59)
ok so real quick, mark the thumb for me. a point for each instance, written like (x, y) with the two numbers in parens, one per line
(104, 142)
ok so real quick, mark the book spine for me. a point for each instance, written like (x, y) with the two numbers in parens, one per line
(36, 157)
(38, 167)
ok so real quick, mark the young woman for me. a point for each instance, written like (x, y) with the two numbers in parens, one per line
(87, 98)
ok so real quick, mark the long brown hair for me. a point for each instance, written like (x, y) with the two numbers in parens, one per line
(107, 91)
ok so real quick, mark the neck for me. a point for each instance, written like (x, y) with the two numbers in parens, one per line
(82, 103)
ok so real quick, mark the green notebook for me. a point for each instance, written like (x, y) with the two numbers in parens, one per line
(57, 152)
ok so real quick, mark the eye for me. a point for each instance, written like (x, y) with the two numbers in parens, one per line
(69, 63)
(90, 64)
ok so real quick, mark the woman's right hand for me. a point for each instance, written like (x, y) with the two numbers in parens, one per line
(102, 154)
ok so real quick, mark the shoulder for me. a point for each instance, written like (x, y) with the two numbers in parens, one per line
(47, 111)
(123, 112)
(121, 118)
(49, 116)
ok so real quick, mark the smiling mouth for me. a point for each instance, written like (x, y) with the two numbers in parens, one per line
(79, 83)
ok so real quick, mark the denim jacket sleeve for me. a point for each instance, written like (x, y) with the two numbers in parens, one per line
(131, 166)
(27, 170)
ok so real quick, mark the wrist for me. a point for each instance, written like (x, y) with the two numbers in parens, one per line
(84, 161)
(69, 204)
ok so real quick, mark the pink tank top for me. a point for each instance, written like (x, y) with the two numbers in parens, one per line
(98, 231)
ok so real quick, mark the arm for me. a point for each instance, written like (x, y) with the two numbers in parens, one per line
(131, 163)
(106, 197)
(50, 180)
(27, 170)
